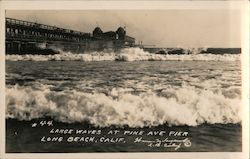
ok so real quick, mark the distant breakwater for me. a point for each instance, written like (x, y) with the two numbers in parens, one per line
(193, 50)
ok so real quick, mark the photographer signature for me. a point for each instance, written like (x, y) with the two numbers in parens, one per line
(168, 143)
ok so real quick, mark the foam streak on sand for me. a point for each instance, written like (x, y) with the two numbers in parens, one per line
(128, 54)
(184, 106)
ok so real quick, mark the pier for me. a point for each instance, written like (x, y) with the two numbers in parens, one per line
(24, 37)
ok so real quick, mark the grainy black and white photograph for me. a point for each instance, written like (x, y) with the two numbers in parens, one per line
(84, 81)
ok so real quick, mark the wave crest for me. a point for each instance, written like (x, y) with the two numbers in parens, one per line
(127, 54)
(184, 106)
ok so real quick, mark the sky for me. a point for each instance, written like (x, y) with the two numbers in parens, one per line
(162, 28)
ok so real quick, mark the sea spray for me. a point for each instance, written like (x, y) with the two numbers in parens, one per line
(127, 54)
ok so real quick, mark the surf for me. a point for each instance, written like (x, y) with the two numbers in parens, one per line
(186, 106)
(126, 54)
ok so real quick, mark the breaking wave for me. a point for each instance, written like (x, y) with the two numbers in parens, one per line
(127, 54)
(184, 106)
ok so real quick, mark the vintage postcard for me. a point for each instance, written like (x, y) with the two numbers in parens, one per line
(141, 79)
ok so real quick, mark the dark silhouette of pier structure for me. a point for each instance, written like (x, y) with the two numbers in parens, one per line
(23, 37)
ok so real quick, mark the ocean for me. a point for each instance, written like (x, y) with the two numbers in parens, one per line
(133, 101)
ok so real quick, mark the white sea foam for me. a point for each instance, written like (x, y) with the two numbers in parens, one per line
(184, 106)
(127, 54)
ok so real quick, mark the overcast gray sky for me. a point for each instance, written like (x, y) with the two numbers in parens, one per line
(163, 28)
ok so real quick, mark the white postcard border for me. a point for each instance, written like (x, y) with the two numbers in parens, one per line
(131, 5)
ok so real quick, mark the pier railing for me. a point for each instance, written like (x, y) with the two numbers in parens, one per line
(23, 30)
